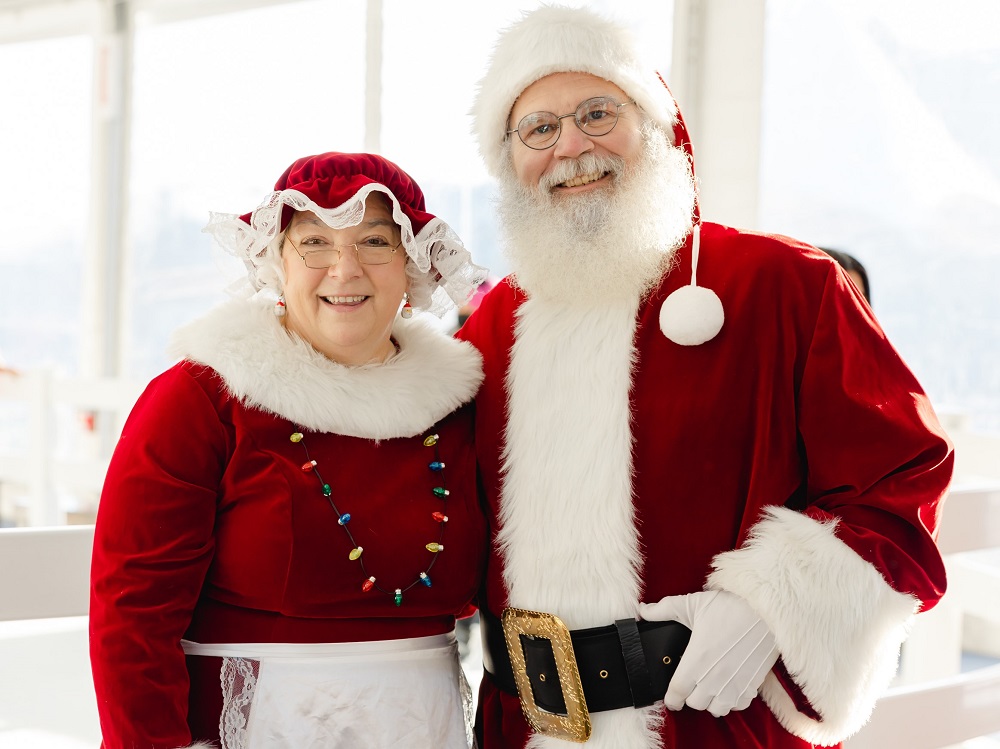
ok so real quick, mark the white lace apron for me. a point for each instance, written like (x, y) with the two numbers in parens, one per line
(391, 693)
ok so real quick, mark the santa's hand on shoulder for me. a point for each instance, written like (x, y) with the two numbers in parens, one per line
(730, 652)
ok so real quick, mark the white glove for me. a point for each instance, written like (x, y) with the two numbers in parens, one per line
(730, 652)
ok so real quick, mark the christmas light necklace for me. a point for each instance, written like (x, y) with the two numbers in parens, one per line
(343, 519)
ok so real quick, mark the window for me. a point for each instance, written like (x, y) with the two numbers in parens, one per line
(222, 106)
(44, 194)
(875, 141)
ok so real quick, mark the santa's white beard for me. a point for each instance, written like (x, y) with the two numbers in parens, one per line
(613, 243)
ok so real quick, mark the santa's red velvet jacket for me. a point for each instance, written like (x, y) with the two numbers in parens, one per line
(792, 460)
(211, 529)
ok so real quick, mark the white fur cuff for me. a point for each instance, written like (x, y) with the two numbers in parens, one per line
(837, 623)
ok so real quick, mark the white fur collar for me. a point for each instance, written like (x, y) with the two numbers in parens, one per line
(267, 368)
(571, 368)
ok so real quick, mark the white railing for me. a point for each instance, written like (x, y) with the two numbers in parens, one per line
(46, 572)
(46, 692)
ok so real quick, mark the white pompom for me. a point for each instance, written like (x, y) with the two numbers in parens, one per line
(691, 316)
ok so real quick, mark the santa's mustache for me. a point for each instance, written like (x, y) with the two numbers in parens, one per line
(586, 165)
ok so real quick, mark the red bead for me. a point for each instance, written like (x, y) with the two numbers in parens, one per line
(309, 466)
(439, 517)
(368, 585)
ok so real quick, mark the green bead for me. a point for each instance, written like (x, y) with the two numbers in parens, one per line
(398, 598)
(440, 492)
(327, 491)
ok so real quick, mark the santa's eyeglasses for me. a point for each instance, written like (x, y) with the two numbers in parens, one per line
(597, 116)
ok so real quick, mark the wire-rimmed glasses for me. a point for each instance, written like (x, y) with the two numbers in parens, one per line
(367, 254)
(597, 116)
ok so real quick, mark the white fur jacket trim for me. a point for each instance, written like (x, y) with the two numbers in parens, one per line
(268, 368)
(838, 624)
(571, 369)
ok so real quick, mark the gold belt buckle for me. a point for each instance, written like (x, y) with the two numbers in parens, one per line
(575, 725)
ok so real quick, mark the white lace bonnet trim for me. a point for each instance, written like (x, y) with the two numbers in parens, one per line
(442, 274)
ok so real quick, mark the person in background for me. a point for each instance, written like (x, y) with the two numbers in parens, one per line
(854, 269)
(714, 486)
(4, 369)
(289, 526)
(469, 307)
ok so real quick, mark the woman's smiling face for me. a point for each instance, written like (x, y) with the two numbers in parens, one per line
(345, 311)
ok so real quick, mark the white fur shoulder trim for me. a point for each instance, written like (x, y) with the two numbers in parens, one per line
(838, 624)
(266, 367)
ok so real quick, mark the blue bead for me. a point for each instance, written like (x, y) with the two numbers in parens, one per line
(437, 465)
(343, 519)
(424, 579)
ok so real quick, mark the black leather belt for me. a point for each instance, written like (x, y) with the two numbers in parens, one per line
(626, 664)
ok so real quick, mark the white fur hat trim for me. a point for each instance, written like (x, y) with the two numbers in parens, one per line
(558, 39)
(693, 314)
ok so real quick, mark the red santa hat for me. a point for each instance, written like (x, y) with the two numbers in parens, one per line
(335, 187)
(559, 39)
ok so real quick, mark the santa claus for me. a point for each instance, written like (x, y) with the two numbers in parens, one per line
(714, 484)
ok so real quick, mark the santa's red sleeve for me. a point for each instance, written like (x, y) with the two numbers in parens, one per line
(152, 547)
(839, 579)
